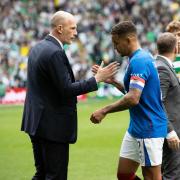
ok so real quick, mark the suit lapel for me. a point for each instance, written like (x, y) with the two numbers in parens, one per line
(69, 67)
(170, 67)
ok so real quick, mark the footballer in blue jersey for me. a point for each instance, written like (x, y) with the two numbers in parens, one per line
(147, 118)
(143, 141)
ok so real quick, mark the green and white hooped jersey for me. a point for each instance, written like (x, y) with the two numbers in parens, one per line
(176, 64)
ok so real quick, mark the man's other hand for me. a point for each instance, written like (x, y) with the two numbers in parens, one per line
(173, 142)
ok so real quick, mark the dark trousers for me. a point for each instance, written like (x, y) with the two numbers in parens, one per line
(51, 159)
(171, 163)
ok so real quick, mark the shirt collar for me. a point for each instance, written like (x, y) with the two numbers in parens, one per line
(61, 44)
(135, 52)
(167, 59)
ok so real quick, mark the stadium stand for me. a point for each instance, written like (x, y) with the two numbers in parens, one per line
(23, 23)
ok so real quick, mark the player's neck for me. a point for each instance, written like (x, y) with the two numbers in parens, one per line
(135, 47)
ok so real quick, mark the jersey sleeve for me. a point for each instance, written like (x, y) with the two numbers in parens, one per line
(139, 74)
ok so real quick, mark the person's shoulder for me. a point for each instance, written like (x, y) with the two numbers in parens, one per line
(46, 50)
(142, 57)
(146, 58)
(159, 62)
(146, 55)
(49, 46)
(161, 65)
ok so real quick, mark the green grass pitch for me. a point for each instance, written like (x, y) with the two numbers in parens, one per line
(93, 157)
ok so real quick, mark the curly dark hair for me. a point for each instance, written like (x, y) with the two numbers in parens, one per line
(123, 28)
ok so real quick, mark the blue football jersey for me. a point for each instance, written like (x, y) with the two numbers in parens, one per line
(147, 118)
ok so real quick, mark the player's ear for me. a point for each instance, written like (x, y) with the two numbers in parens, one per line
(128, 39)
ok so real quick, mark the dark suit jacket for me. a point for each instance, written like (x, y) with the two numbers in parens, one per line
(50, 105)
(170, 87)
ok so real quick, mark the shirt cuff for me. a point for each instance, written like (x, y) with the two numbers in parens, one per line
(171, 134)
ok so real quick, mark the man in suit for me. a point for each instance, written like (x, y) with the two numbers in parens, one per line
(170, 87)
(50, 114)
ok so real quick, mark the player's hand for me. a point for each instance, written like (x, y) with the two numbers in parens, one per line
(174, 143)
(95, 70)
(111, 80)
(96, 67)
(97, 116)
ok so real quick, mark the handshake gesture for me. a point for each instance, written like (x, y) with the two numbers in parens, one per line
(106, 75)
(102, 74)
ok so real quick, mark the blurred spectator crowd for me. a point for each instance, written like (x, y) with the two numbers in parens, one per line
(23, 23)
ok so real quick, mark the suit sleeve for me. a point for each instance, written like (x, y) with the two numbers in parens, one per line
(165, 84)
(61, 78)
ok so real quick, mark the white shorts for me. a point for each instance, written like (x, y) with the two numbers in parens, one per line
(147, 152)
